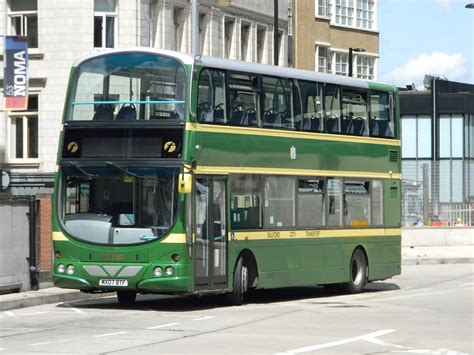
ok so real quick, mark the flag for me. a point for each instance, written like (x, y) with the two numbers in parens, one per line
(15, 75)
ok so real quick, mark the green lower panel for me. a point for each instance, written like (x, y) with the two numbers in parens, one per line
(283, 263)
(64, 281)
(167, 285)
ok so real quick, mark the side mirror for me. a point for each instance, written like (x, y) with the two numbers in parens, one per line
(185, 183)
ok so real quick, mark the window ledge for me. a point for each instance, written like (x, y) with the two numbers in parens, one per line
(319, 17)
(20, 163)
(33, 54)
(354, 28)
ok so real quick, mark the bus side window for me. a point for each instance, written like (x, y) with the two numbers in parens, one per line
(381, 120)
(357, 211)
(335, 205)
(246, 202)
(277, 103)
(211, 97)
(311, 97)
(332, 107)
(354, 113)
(243, 100)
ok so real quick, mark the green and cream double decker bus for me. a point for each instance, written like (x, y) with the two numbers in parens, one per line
(196, 175)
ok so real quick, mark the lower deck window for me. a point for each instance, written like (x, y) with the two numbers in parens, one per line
(357, 204)
(311, 211)
(279, 209)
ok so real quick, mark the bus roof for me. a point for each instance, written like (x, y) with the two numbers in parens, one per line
(248, 67)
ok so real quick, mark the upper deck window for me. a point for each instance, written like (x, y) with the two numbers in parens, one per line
(128, 86)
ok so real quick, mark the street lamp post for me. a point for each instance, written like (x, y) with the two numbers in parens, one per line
(357, 50)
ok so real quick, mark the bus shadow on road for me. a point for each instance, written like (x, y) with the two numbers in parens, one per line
(190, 303)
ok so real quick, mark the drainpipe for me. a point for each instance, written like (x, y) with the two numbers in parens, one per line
(32, 236)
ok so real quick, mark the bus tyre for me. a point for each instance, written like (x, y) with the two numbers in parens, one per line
(358, 272)
(240, 286)
(126, 297)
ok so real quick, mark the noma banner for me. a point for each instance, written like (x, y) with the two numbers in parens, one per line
(15, 76)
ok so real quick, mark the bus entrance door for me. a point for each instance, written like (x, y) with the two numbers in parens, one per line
(210, 246)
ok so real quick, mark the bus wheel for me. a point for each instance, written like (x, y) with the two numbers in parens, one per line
(126, 297)
(241, 279)
(358, 272)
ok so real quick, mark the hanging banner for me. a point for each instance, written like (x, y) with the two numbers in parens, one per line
(15, 74)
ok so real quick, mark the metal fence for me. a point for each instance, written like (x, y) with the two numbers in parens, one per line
(438, 193)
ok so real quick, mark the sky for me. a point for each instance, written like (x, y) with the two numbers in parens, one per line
(419, 37)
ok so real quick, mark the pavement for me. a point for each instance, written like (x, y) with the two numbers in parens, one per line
(410, 256)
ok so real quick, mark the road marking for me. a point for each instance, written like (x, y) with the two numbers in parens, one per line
(338, 342)
(1, 349)
(34, 313)
(204, 317)
(162, 326)
(469, 284)
(109, 334)
(9, 313)
(77, 310)
(50, 342)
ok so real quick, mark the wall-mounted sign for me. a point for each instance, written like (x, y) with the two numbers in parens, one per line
(15, 75)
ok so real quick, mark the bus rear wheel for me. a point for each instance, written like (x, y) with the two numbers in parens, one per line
(240, 286)
(358, 272)
(126, 297)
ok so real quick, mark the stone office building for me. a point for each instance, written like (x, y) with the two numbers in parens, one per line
(60, 31)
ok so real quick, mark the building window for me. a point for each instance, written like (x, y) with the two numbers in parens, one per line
(203, 21)
(365, 67)
(24, 132)
(178, 28)
(344, 12)
(105, 14)
(244, 40)
(416, 137)
(323, 65)
(23, 15)
(365, 14)
(341, 64)
(261, 36)
(228, 36)
(451, 136)
(323, 8)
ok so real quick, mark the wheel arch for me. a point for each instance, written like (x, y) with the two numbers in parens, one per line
(364, 250)
(249, 260)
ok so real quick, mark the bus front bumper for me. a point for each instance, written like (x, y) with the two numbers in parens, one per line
(150, 285)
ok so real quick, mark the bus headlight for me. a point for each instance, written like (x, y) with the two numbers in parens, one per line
(158, 271)
(61, 268)
(169, 271)
(70, 270)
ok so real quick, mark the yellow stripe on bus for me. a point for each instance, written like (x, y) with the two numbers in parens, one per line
(225, 170)
(59, 236)
(172, 238)
(252, 131)
(175, 238)
(314, 234)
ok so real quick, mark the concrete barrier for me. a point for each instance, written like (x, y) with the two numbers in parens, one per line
(435, 237)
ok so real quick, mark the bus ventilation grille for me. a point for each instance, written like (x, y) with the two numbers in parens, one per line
(394, 156)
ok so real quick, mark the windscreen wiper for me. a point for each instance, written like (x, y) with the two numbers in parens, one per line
(85, 173)
(125, 170)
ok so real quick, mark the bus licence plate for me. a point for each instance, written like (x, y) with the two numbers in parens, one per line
(113, 282)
